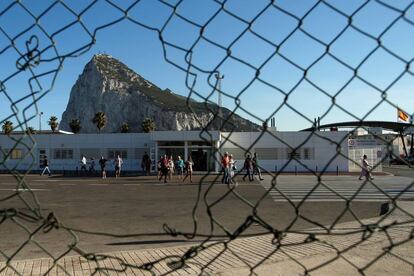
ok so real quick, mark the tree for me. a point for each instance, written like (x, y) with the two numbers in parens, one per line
(53, 123)
(30, 130)
(124, 128)
(148, 125)
(99, 120)
(75, 125)
(7, 127)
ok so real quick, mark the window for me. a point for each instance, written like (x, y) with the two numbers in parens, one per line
(139, 152)
(62, 154)
(267, 153)
(308, 153)
(91, 153)
(16, 154)
(238, 153)
(113, 153)
(272, 153)
(171, 144)
(293, 154)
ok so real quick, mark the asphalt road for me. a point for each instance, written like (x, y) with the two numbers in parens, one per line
(400, 170)
(133, 211)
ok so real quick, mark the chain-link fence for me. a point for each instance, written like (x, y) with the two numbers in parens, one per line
(30, 53)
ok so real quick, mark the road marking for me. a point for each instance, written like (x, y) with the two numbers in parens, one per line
(67, 184)
(132, 184)
(285, 192)
(332, 200)
(24, 190)
(98, 184)
(65, 179)
(338, 192)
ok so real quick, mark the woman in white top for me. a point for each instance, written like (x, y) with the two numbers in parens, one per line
(365, 169)
(232, 168)
(171, 167)
(118, 163)
(189, 168)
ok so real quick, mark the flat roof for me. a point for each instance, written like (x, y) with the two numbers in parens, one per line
(190, 135)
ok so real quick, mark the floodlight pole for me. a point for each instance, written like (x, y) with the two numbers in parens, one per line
(218, 89)
(40, 121)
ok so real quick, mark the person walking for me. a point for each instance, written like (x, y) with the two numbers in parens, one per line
(232, 169)
(118, 164)
(92, 167)
(171, 167)
(146, 164)
(164, 168)
(256, 167)
(248, 166)
(365, 169)
(83, 165)
(46, 166)
(225, 167)
(159, 171)
(102, 163)
(180, 167)
(189, 169)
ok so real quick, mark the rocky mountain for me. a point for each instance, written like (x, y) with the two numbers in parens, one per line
(108, 85)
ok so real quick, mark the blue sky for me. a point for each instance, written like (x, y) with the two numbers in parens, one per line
(281, 69)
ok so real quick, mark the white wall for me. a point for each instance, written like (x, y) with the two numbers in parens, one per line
(77, 142)
(325, 147)
(324, 144)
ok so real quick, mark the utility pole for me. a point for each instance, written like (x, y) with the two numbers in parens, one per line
(218, 89)
(40, 121)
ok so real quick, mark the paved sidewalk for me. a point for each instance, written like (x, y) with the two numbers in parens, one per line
(243, 254)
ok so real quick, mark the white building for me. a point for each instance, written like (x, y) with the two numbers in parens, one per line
(319, 151)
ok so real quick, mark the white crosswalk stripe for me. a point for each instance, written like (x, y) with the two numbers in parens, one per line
(281, 193)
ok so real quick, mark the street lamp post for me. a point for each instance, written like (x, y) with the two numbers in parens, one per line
(40, 121)
(218, 88)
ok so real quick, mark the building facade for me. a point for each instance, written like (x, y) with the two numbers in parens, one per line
(277, 151)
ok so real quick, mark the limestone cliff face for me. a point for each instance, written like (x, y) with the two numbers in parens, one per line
(109, 86)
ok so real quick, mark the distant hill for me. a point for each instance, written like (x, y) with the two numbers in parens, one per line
(108, 85)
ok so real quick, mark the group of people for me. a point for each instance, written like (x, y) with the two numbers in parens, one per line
(167, 167)
(102, 163)
(83, 162)
(83, 166)
(229, 167)
(117, 163)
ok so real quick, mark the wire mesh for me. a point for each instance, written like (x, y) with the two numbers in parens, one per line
(39, 61)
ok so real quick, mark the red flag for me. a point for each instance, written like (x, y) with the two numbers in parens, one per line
(402, 115)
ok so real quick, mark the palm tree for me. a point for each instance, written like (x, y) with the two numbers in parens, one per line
(148, 125)
(124, 128)
(30, 130)
(7, 127)
(53, 123)
(99, 120)
(75, 125)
